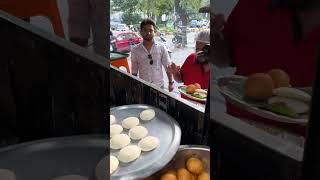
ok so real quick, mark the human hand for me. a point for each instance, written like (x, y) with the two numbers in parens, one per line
(173, 68)
(170, 87)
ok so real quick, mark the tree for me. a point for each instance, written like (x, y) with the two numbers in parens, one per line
(131, 18)
(185, 8)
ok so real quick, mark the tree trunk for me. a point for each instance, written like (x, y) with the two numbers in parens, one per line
(183, 17)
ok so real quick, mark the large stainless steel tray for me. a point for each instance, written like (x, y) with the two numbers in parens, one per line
(164, 127)
(50, 158)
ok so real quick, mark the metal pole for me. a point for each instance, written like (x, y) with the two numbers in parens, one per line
(311, 159)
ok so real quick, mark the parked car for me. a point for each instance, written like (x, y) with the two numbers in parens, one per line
(113, 25)
(122, 27)
(193, 23)
(203, 23)
(123, 41)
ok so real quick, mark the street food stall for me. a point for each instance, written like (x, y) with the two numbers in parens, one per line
(56, 105)
(176, 122)
(58, 101)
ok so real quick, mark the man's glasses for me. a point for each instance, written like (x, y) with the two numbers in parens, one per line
(151, 60)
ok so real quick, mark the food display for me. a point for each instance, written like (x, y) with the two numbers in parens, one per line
(192, 171)
(271, 92)
(129, 153)
(194, 92)
(148, 140)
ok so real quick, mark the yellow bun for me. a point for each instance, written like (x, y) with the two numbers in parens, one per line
(168, 176)
(258, 86)
(203, 176)
(194, 165)
(191, 89)
(197, 85)
(279, 77)
(183, 174)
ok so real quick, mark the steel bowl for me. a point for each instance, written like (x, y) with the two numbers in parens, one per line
(183, 154)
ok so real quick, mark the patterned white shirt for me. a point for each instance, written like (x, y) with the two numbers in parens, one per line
(141, 63)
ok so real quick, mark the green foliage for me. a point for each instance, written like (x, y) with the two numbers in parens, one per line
(124, 5)
(131, 18)
(155, 8)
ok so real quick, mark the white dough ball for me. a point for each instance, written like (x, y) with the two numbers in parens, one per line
(147, 115)
(129, 153)
(114, 163)
(119, 141)
(148, 143)
(112, 119)
(115, 129)
(138, 132)
(130, 122)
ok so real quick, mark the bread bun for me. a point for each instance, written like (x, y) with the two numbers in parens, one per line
(191, 89)
(279, 77)
(197, 85)
(204, 176)
(194, 165)
(258, 86)
(168, 176)
(183, 174)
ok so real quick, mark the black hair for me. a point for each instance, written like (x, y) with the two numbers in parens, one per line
(148, 21)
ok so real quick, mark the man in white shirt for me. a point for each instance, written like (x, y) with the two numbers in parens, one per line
(148, 57)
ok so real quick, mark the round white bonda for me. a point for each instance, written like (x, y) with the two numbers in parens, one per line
(114, 163)
(112, 119)
(129, 153)
(115, 129)
(147, 115)
(119, 141)
(138, 132)
(130, 122)
(148, 143)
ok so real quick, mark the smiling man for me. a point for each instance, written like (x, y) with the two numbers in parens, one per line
(149, 56)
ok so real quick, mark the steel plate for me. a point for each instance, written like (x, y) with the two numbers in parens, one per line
(162, 126)
(50, 158)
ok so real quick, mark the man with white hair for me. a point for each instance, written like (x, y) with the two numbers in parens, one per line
(196, 68)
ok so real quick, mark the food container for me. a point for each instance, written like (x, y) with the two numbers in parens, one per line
(55, 157)
(183, 154)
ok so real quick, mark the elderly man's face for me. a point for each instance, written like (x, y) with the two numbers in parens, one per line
(199, 45)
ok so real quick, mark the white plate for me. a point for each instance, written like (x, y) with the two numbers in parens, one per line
(230, 88)
(189, 96)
